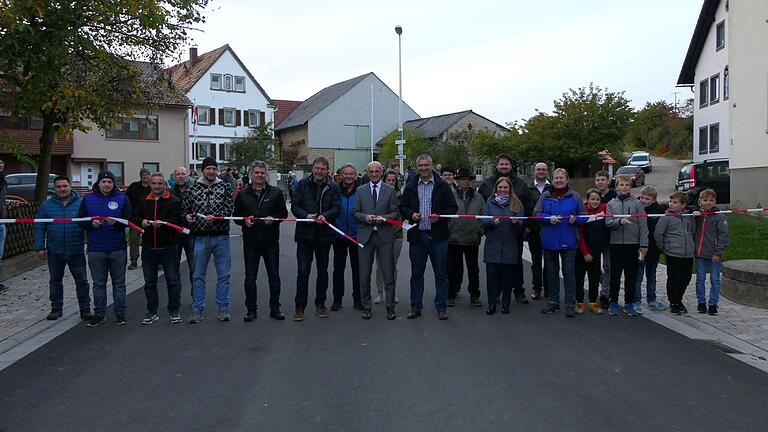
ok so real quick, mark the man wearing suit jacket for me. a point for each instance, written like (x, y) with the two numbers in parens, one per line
(376, 201)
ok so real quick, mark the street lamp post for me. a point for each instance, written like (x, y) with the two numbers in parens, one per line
(401, 141)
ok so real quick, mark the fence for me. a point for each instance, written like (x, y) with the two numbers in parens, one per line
(19, 237)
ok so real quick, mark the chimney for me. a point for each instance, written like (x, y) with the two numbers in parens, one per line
(193, 55)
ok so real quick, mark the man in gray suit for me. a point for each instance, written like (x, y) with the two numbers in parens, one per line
(376, 201)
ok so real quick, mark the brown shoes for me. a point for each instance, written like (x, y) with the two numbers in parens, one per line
(54, 315)
(414, 313)
(442, 315)
(367, 314)
(298, 314)
(391, 315)
(321, 311)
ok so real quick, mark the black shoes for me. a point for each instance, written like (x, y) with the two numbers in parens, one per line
(505, 308)
(120, 319)
(701, 308)
(451, 302)
(85, 314)
(521, 298)
(674, 309)
(414, 313)
(712, 310)
(367, 314)
(475, 301)
(391, 315)
(491, 310)
(133, 265)
(358, 306)
(54, 315)
(96, 321)
(550, 308)
(276, 314)
(335, 306)
(682, 308)
(536, 295)
(250, 315)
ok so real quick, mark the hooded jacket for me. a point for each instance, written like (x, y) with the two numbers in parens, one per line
(166, 208)
(60, 238)
(710, 234)
(443, 202)
(674, 235)
(633, 233)
(271, 202)
(563, 235)
(320, 199)
(467, 231)
(216, 199)
(106, 238)
(521, 189)
(501, 240)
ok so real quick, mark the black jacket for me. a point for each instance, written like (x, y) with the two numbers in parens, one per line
(443, 202)
(167, 208)
(521, 189)
(320, 199)
(136, 193)
(655, 208)
(271, 203)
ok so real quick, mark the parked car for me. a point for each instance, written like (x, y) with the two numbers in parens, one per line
(635, 174)
(23, 185)
(710, 174)
(641, 159)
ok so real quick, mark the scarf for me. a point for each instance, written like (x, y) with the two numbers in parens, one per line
(501, 200)
(560, 192)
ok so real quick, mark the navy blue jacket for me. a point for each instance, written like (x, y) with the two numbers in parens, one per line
(310, 198)
(501, 240)
(65, 238)
(106, 238)
(345, 221)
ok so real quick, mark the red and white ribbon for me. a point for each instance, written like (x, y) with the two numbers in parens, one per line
(69, 220)
(172, 226)
(596, 217)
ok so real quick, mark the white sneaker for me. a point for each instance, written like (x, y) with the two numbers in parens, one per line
(377, 300)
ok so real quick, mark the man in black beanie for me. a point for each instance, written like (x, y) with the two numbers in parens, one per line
(207, 197)
(136, 193)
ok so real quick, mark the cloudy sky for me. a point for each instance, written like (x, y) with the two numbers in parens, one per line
(503, 59)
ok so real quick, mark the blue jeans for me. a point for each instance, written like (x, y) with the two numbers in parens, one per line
(76, 263)
(113, 264)
(2, 240)
(701, 280)
(647, 268)
(304, 253)
(151, 260)
(205, 246)
(421, 248)
(552, 265)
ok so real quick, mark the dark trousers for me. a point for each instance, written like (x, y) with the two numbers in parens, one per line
(342, 248)
(76, 263)
(679, 272)
(539, 281)
(552, 260)
(593, 271)
(457, 254)
(499, 279)
(185, 244)
(253, 252)
(517, 278)
(151, 260)
(420, 248)
(304, 256)
(624, 261)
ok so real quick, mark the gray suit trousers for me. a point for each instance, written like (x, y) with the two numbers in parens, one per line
(385, 258)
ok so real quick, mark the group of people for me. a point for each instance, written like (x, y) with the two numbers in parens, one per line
(560, 237)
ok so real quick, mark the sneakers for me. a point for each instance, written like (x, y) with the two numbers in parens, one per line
(250, 315)
(451, 302)
(550, 308)
(536, 295)
(276, 314)
(475, 301)
(377, 300)
(674, 309)
(701, 308)
(85, 314)
(579, 308)
(683, 309)
(120, 319)
(595, 308)
(298, 314)
(224, 315)
(656, 305)
(335, 306)
(176, 318)
(321, 311)
(638, 307)
(96, 320)
(570, 311)
(150, 318)
(54, 315)
(197, 316)
(712, 310)
(367, 314)
(133, 266)
(613, 309)
(629, 309)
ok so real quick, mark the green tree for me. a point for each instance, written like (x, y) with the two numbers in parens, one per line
(69, 62)
(658, 128)
(258, 145)
(415, 144)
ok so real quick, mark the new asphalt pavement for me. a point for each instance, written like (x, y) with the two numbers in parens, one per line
(523, 371)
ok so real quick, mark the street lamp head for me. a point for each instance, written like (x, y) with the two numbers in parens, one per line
(398, 30)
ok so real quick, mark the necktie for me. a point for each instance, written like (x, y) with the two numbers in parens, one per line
(375, 196)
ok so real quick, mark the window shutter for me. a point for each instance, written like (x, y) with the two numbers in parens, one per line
(237, 119)
(212, 116)
(221, 116)
(246, 120)
(262, 118)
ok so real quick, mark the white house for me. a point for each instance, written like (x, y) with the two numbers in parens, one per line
(727, 67)
(227, 98)
(343, 122)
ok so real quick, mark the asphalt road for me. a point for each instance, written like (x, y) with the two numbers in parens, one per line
(523, 371)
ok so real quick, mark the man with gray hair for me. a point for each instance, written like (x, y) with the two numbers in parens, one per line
(425, 197)
(261, 238)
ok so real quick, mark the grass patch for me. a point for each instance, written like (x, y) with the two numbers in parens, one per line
(747, 234)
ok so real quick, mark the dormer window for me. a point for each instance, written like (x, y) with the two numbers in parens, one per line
(228, 84)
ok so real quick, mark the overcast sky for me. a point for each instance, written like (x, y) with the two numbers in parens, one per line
(502, 59)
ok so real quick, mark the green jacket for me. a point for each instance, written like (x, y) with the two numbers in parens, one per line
(467, 232)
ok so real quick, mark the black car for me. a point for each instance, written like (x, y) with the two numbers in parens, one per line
(709, 174)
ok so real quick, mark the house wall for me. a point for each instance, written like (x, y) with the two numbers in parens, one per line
(749, 99)
(201, 94)
(93, 148)
(712, 62)
(327, 130)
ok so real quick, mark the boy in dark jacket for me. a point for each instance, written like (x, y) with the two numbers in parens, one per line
(649, 265)
(674, 238)
(711, 239)
(106, 245)
(159, 247)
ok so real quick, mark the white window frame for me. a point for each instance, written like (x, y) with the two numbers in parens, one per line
(704, 93)
(225, 150)
(712, 137)
(221, 84)
(719, 44)
(233, 112)
(704, 147)
(203, 110)
(253, 113)
(714, 89)
(242, 84)
(228, 79)
(207, 145)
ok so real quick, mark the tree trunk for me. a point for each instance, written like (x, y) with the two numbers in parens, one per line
(44, 162)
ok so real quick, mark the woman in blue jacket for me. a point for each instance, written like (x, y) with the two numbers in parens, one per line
(500, 252)
(558, 208)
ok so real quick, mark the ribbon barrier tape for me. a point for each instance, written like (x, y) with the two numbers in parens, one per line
(68, 220)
